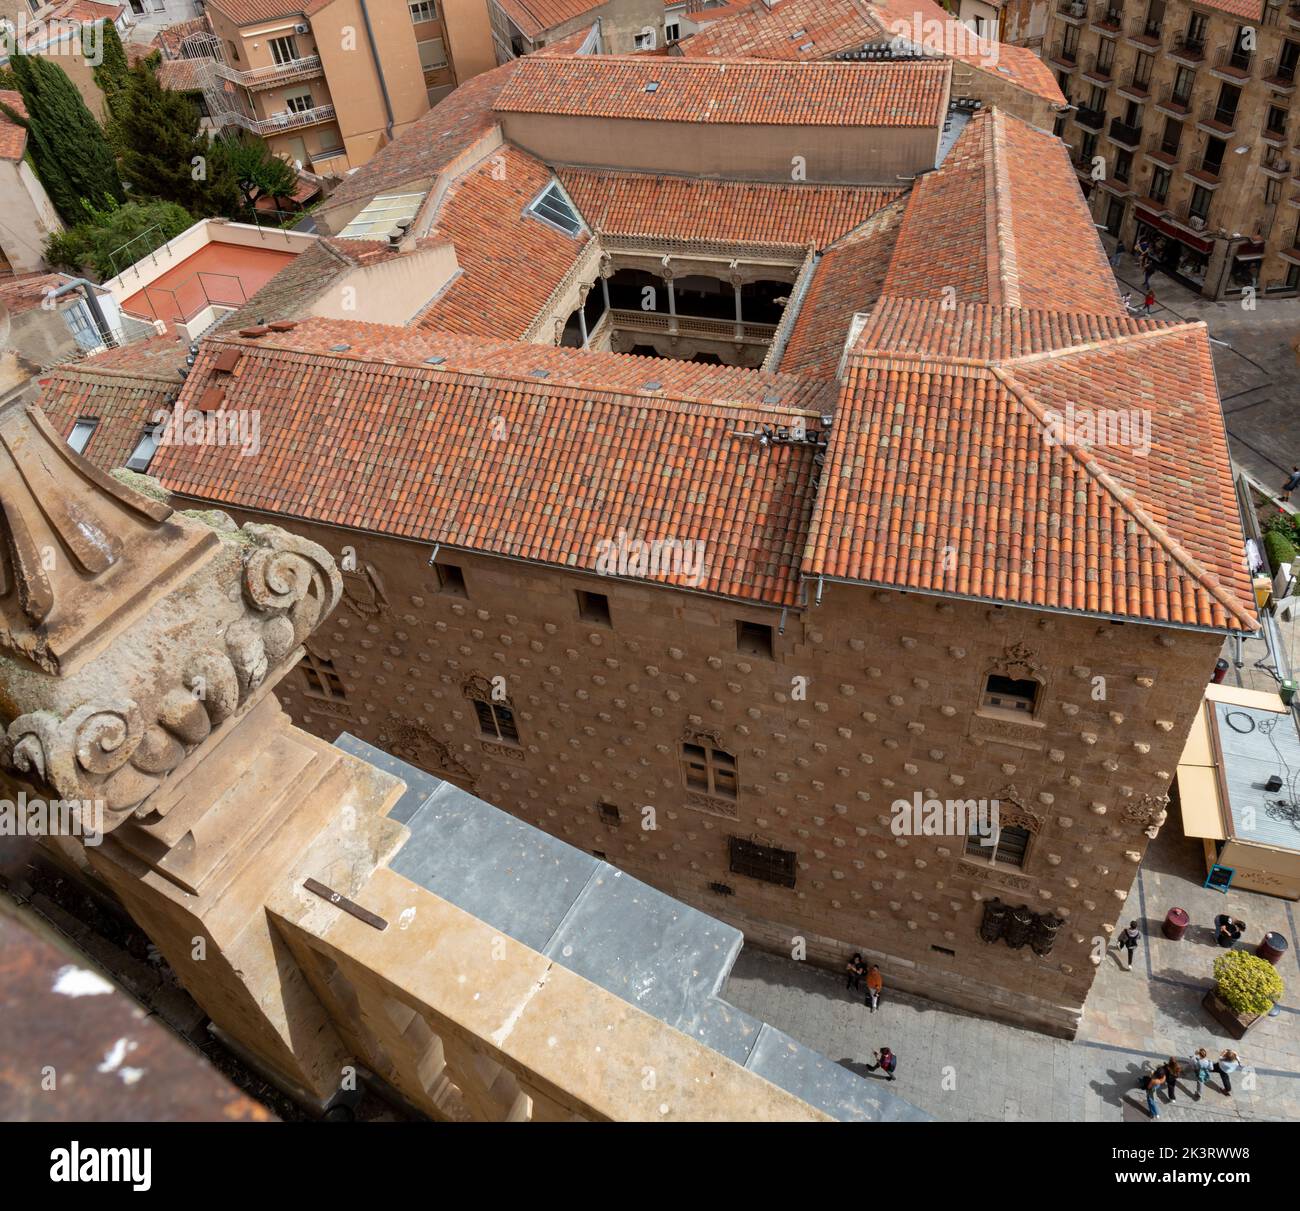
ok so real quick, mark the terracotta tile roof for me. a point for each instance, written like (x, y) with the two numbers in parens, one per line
(402, 450)
(977, 330)
(592, 368)
(509, 261)
(181, 75)
(1249, 10)
(569, 45)
(810, 30)
(630, 203)
(974, 479)
(249, 12)
(13, 137)
(751, 91)
(459, 120)
(122, 388)
(987, 228)
(292, 291)
(169, 40)
(534, 17)
(24, 292)
(847, 280)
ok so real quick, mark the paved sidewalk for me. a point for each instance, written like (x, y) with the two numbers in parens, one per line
(960, 1067)
(1259, 377)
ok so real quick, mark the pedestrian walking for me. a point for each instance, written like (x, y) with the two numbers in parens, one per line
(1172, 1070)
(1150, 300)
(886, 1062)
(855, 971)
(1115, 256)
(875, 982)
(1292, 483)
(1227, 1064)
(1128, 940)
(1201, 1066)
(1152, 1082)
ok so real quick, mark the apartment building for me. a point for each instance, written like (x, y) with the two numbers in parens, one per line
(329, 82)
(1015, 22)
(1184, 130)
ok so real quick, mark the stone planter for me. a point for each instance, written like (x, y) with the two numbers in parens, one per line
(1236, 1024)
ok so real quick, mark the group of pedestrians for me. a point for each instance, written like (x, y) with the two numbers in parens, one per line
(858, 973)
(1145, 255)
(1198, 1068)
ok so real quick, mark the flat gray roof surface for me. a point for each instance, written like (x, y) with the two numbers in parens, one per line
(655, 952)
(1255, 746)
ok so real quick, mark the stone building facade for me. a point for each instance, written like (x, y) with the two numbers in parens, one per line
(1185, 130)
(868, 698)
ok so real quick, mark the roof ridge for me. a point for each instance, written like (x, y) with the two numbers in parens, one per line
(1006, 273)
(119, 372)
(556, 379)
(1128, 501)
(1110, 342)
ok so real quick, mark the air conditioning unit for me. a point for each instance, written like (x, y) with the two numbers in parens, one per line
(301, 29)
(1196, 223)
(1078, 10)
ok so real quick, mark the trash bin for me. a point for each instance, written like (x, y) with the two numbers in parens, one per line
(1176, 921)
(1220, 671)
(1272, 948)
(1287, 691)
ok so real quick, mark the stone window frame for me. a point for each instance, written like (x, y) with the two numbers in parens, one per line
(1012, 813)
(323, 681)
(1017, 663)
(711, 748)
(488, 707)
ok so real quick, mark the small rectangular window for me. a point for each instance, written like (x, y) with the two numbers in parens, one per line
(433, 54)
(322, 678)
(1007, 847)
(708, 770)
(284, 50)
(423, 10)
(82, 432)
(754, 639)
(299, 103)
(1010, 694)
(496, 721)
(765, 862)
(609, 814)
(594, 607)
(451, 580)
(721, 889)
(145, 449)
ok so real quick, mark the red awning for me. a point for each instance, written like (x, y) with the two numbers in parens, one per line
(1175, 233)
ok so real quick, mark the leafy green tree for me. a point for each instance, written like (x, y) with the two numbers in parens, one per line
(255, 170)
(113, 72)
(109, 240)
(71, 155)
(164, 155)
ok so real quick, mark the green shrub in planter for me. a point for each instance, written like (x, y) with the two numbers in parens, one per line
(1249, 984)
(1279, 549)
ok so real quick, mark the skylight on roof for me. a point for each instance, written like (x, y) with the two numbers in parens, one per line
(381, 215)
(554, 207)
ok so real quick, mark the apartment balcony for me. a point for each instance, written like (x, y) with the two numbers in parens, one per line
(283, 121)
(1133, 90)
(1232, 64)
(1182, 216)
(1278, 167)
(1144, 33)
(1156, 206)
(1067, 59)
(1095, 73)
(1107, 18)
(1207, 175)
(1280, 76)
(1093, 119)
(1124, 135)
(1274, 138)
(1175, 104)
(1216, 119)
(1072, 12)
(1190, 51)
(274, 76)
(1291, 15)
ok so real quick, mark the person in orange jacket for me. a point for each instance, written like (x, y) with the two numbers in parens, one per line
(875, 982)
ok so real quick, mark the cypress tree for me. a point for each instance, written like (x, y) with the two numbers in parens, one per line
(164, 155)
(69, 151)
(112, 73)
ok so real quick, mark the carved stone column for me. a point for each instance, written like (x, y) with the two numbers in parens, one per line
(138, 650)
